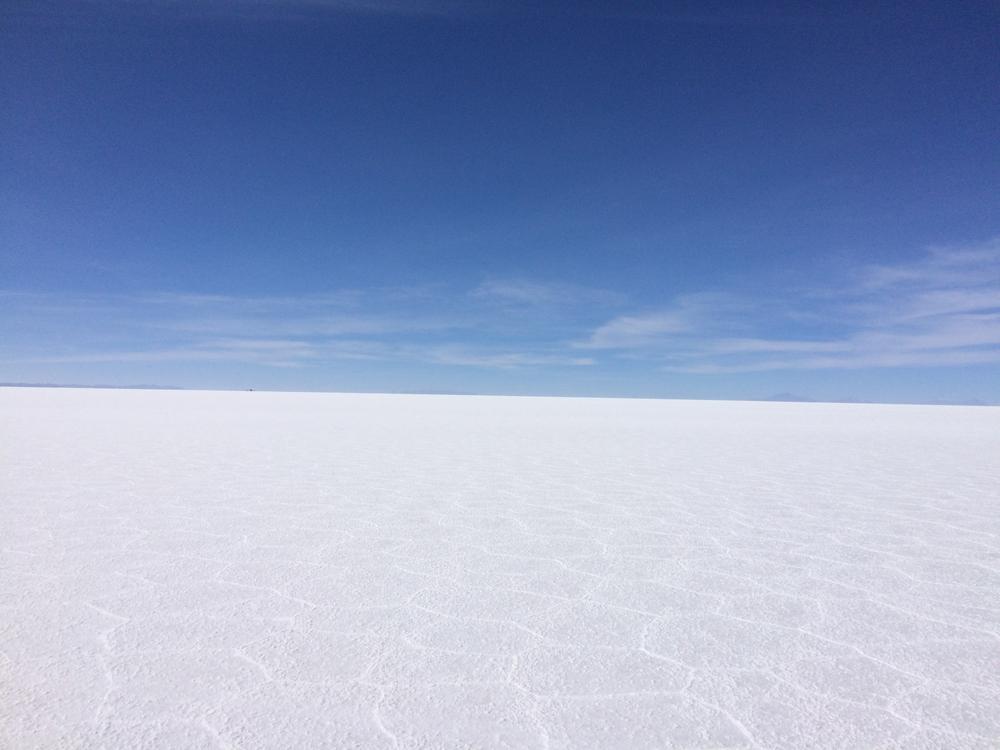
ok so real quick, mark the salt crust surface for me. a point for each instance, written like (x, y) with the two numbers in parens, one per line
(264, 570)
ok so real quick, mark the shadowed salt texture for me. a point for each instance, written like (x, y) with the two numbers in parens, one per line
(265, 570)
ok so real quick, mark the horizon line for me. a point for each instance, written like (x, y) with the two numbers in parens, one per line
(783, 398)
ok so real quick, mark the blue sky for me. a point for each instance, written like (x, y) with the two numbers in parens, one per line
(623, 198)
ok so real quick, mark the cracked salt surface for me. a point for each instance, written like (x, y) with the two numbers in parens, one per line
(263, 570)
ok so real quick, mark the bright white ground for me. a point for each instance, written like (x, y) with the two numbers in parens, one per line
(261, 570)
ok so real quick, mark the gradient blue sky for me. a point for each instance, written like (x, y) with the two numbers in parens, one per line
(712, 200)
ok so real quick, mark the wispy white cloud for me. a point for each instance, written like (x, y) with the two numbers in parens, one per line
(524, 292)
(247, 351)
(343, 298)
(849, 361)
(442, 327)
(942, 267)
(942, 309)
(335, 314)
(630, 331)
(271, 353)
(314, 325)
(689, 314)
(503, 360)
(769, 346)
